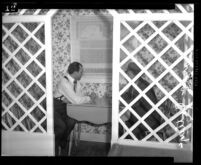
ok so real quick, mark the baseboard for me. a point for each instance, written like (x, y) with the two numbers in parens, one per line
(105, 138)
(27, 144)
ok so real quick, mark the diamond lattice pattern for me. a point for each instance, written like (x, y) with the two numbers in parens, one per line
(148, 99)
(23, 77)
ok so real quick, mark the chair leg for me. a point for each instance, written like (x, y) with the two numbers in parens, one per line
(79, 132)
(74, 137)
(75, 134)
(70, 143)
(59, 152)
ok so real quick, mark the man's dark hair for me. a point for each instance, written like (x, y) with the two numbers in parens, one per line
(74, 67)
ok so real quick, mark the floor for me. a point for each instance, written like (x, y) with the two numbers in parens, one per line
(89, 149)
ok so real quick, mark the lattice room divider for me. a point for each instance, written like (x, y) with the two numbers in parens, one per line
(161, 46)
(27, 119)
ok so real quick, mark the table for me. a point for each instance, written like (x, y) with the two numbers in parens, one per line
(95, 114)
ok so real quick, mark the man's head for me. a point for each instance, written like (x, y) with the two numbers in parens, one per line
(75, 69)
(132, 70)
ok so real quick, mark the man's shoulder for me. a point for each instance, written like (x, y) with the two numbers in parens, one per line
(63, 80)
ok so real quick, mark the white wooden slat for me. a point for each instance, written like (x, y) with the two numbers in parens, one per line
(182, 54)
(17, 123)
(165, 11)
(157, 16)
(4, 107)
(192, 6)
(127, 53)
(22, 11)
(24, 18)
(35, 102)
(124, 61)
(7, 108)
(17, 20)
(152, 85)
(148, 46)
(19, 120)
(21, 45)
(170, 43)
(6, 14)
(37, 11)
(6, 127)
(127, 107)
(25, 90)
(8, 32)
(181, 8)
(23, 68)
(176, 134)
(49, 74)
(128, 131)
(41, 66)
(23, 108)
(115, 88)
(31, 34)
(51, 12)
(153, 53)
(13, 38)
(145, 125)
(185, 66)
(142, 119)
(148, 11)
(39, 101)
(178, 36)
(20, 72)
(168, 121)
(13, 117)
(153, 144)
(153, 106)
(161, 62)
(131, 11)
(27, 113)
(185, 29)
(38, 125)
(12, 97)
(131, 30)
(114, 13)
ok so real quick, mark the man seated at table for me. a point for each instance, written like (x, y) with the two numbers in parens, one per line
(68, 91)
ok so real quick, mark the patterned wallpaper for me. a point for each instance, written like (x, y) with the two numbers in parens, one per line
(61, 57)
(61, 39)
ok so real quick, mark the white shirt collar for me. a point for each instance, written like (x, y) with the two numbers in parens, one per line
(71, 79)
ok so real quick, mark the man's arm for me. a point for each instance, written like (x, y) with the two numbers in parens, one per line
(68, 92)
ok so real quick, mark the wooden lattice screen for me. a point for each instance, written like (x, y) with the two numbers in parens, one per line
(27, 82)
(161, 46)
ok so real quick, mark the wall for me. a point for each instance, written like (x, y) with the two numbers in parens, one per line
(62, 58)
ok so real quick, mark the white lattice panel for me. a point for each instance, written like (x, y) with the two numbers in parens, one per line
(27, 116)
(161, 47)
(24, 89)
(22, 63)
(21, 12)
